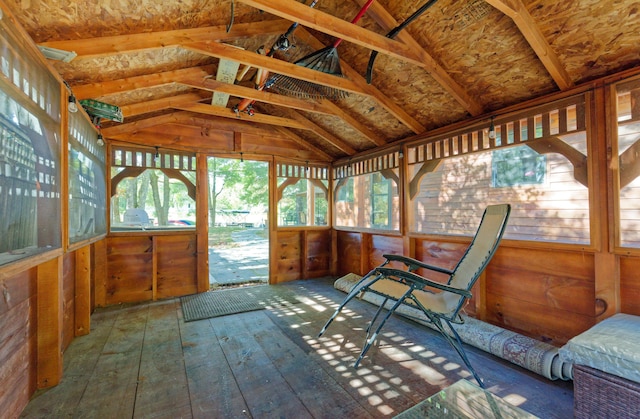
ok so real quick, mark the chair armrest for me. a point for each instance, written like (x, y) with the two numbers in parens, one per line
(411, 277)
(414, 264)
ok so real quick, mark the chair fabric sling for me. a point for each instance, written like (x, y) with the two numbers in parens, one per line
(440, 302)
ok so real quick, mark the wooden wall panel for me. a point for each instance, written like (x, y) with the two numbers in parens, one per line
(18, 342)
(177, 263)
(630, 285)
(349, 253)
(68, 299)
(548, 295)
(318, 253)
(381, 245)
(129, 269)
(289, 247)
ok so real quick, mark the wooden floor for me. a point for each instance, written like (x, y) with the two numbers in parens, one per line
(145, 361)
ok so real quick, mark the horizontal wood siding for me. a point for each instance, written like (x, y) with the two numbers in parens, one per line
(547, 295)
(129, 269)
(630, 285)
(18, 342)
(176, 265)
(69, 299)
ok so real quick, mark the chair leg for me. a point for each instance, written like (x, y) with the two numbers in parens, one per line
(357, 289)
(370, 339)
(457, 345)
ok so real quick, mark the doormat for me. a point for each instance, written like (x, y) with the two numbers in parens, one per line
(236, 300)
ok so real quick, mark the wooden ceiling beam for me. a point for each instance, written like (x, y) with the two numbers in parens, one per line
(160, 104)
(256, 118)
(517, 11)
(327, 136)
(120, 44)
(213, 85)
(310, 105)
(367, 89)
(322, 156)
(131, 127)
(357, 125)
(95, 90)
(219, 50)
(388, 22)
(339, 28)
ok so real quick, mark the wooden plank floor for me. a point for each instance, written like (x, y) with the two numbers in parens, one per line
(145, 361)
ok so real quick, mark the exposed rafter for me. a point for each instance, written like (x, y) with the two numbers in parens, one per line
(331, 25)
(207, 109)
(119, 44)
(388, 22)
(527, 26)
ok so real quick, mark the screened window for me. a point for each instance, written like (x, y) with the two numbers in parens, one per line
(152, 189)
(371, 201)
(30, 206)
(537, 163)
(152, 200)
(303, 202)
(628, 121)
(87, 187)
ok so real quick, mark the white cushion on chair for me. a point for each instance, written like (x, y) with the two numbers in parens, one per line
(612, 346)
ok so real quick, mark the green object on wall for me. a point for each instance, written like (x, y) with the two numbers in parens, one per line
(102, 110)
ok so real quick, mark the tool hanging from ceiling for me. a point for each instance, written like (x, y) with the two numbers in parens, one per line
(325, 60)
(395, 31)
(283, 43)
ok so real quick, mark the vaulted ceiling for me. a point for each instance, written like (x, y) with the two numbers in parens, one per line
(158, 61)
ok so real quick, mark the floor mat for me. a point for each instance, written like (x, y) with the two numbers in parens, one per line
(236, 300)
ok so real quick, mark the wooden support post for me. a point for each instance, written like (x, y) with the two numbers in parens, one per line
(202, 223)
(606, 264)
(50, 323)
(154, 268)
(83, 291)
(273, 222)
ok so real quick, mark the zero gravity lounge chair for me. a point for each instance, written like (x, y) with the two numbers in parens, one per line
(440, 302)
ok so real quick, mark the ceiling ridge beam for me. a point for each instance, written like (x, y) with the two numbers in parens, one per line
(120, 44)
(516, 10)
(435, 69)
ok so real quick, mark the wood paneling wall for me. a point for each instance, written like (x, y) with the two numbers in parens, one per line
(301, 254)
(144, 267)
(17, 342)
(630, 285)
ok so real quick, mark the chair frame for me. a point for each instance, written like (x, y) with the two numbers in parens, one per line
(415, 282)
